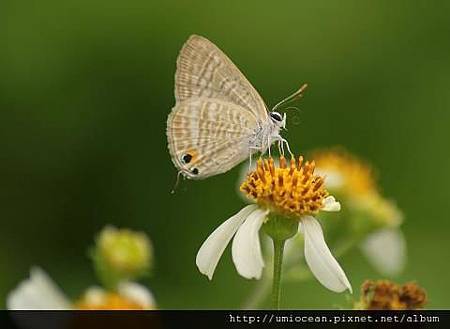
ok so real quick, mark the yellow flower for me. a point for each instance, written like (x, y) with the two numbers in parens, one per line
(40, 292)
(353, 180)
(345, 173)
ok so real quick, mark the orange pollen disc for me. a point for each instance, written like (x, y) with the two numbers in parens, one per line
(110, 301)
(290, 189)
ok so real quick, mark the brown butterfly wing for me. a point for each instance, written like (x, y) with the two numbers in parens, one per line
(208, 136)
(203, 70)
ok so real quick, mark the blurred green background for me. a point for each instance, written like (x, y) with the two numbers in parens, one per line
(86, 87)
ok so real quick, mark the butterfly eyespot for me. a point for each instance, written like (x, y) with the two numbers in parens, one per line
(186, 158)
(194, 171)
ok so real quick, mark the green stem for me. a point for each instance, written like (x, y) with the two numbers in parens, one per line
(278, 248)
(279, 229)
(291, 273)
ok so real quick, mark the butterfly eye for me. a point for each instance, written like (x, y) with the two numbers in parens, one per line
(276, 116)
(186, 158)
(195, 171)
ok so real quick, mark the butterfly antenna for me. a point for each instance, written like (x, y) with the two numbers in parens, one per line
(176, 182)
(294, 96)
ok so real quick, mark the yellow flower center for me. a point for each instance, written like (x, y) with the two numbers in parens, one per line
(292, 190)
(357, 176)
(353, 181)
(108, 301)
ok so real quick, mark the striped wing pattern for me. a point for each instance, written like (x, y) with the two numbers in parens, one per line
(208, 136)
(203, 70)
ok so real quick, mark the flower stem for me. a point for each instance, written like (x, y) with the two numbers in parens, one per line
(292, 273)
(278, 248)
(279, 229)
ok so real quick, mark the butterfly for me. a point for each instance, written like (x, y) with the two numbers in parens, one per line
(219, 119)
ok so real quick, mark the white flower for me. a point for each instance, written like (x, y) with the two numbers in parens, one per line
(292, 191)
(246, 249)
(38, 292)
(130, 295)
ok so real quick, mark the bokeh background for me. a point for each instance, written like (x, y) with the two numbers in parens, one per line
(86, 87)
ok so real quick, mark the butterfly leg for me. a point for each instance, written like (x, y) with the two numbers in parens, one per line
(269, 144)
(287, 146)
(180, 173)
(280, 147)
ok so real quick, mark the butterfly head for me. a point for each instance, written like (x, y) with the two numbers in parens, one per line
(278, 119)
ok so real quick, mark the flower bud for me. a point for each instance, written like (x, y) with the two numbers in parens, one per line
(121, 254)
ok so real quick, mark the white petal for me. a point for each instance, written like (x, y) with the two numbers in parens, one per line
(137, 293)
(386, 251)
(319, 258)
(246, 248)
(39, 292)
(212, 249)
(330, 204)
